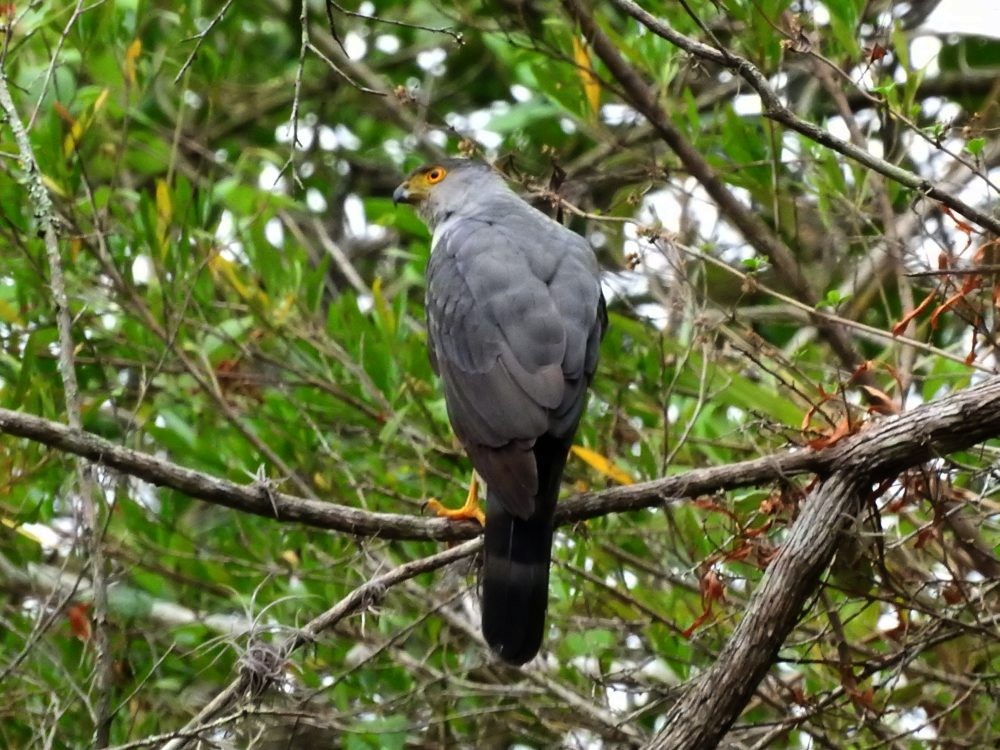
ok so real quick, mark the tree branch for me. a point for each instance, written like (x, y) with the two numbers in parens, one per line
(778, 112)
(756, 232)
(363, 596)
(879, 450)
(255, 498)
(90, 521)
(701, 717)
(713, 701)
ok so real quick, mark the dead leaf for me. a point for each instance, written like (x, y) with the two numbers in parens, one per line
(881, 402)
(712, 590)
(841, 430)
(79, 621)
(876, 53)
(905, 321)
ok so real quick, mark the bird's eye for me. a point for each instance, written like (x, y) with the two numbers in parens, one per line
(435, 175)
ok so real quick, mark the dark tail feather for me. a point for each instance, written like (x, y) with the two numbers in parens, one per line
(516, 556)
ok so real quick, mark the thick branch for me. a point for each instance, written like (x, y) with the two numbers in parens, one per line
(255, 498)
(713, 701)
(881, 449)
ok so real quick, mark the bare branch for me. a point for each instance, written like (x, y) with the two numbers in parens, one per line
(879, 450)
(200, 38)
(713, 701)
(456, 35)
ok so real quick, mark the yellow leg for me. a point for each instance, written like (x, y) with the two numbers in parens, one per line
(467, 512)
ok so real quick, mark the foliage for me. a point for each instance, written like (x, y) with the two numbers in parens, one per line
(247, 302)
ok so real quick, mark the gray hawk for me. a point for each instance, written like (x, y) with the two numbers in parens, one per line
(515, 316)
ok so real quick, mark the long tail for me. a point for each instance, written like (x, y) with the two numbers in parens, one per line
(516, 554)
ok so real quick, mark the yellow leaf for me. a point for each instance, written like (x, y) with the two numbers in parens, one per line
(281, 313)
(82, 124)
(225, 268)
(164, 206)
(131, 55)
(8, 314)
(164, 213)
(249, 292)
(72, 138)
(605, 466)
(290, 557)
(591, 86)
(382, 307)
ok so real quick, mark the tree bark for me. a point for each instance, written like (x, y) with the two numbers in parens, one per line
(712, 702)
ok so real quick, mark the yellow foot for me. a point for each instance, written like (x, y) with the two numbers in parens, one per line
(467, 512)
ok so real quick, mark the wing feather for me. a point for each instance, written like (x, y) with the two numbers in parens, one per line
(513, 332)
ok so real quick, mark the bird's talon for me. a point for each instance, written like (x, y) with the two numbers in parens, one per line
(468, 512)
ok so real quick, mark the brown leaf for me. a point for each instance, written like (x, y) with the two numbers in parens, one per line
(771, 504)
(712, 591)
(876, 53)
(971, 284)
(901, 325)
(881, 402)
(711, 588)
(79, 621)
(707, 503)
(842, 429)
(952, 593)
(926, 536)
(961, 225)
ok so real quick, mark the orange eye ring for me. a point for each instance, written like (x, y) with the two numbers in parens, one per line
(435, 175)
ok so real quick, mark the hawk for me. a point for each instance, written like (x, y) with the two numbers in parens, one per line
(515, 316)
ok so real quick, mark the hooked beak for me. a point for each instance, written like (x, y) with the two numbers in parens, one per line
(402, 194)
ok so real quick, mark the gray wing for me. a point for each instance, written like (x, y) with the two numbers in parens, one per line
(513, 330)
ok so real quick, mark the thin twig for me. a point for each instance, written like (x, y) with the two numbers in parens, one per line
(456, 35)
(872, 331)
(78, 11)
(200, 38)
(339, 71)
(297, 96)
(749, 224)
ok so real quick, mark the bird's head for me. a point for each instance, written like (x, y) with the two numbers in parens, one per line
(443, 187)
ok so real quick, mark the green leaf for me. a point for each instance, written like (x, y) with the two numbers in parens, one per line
(975, 145)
